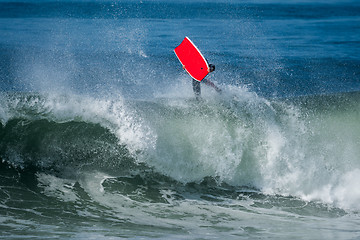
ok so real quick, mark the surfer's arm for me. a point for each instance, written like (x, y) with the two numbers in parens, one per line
(211, 84)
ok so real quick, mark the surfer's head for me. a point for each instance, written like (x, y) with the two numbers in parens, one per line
(211, 67)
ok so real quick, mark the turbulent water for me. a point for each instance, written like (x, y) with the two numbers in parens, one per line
(101, 136)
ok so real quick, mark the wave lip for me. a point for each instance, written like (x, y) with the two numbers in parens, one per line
(58, 131)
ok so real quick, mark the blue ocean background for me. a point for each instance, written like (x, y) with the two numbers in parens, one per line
(101, 136)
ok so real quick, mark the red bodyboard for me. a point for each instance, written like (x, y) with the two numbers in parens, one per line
(191, 58)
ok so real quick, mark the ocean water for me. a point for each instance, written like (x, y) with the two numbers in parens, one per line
(101, 136)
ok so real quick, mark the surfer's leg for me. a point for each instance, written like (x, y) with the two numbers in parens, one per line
(211, 84)
(196, 88)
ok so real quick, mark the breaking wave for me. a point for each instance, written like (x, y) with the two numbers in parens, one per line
(306, 148)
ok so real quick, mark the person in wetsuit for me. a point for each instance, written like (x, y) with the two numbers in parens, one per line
(197, 87)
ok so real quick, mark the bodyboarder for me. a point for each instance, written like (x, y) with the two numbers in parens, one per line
(195, 65)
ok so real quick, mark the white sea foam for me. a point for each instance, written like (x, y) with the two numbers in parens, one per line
(57, 187)
(344, 192)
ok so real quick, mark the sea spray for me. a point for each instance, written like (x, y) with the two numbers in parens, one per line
(280, 147)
